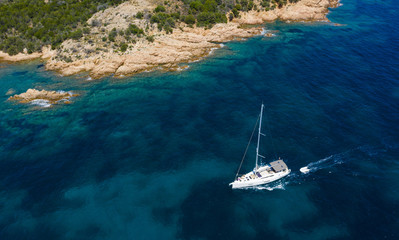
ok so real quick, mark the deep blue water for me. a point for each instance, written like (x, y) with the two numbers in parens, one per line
(151, 156)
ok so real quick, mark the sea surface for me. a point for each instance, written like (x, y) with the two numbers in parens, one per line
(151, 156)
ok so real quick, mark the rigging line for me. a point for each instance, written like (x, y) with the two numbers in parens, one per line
(245, 153)
(271, 137)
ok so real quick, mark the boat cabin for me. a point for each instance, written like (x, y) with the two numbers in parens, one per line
(278, 166)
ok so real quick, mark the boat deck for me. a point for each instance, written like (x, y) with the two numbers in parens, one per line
(264, 171)
(258, 174)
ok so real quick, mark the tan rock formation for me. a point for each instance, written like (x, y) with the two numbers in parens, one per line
(19, 57)
(49, 97)
(121, 16)
(269, 34)
(44, 54)
(304, 10)
(167, 50)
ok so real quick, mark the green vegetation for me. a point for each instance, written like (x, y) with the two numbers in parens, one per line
(245, 5)
(140, 15)
(165, 21)
(271, 4)
(210, 18)
(206, 13)
(133, 29)
(76, 34)
(150, 38)
(265, 3)
(32, 24)
(112, 35)
(160, 8)
(200, 12)
(123, 47)
(236, 14)
(189, 19)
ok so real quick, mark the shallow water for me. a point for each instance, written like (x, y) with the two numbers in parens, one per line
(151, 156)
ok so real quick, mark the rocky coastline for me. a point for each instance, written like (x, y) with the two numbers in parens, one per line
(302, 11)
(46, 53)
(185, 44)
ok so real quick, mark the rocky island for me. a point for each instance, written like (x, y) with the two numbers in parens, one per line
(126, 37)
(43, 98)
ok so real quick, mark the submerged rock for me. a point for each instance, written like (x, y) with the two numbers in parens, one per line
(10, 91)
(43, 98)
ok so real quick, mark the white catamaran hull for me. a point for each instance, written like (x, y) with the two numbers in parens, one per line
(259, 181)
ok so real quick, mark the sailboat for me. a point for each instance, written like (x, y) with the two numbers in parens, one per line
(260, 174)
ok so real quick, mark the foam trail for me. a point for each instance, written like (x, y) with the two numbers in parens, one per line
(41, 103)
(324, 163)
(280, 184)
(182, 68)
(215, 48)
(339, 158)
(212, 50)
(271, 187)
(264, 31)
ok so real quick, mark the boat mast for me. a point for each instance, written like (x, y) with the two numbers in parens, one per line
(257, 147)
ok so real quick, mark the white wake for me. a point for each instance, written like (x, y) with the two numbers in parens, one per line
(279, 184)
(327, 162)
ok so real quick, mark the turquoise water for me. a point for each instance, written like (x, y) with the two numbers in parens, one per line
(151, 156)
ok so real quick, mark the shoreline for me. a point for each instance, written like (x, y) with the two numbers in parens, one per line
(184, 45)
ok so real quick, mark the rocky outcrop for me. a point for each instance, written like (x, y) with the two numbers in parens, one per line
(43, 97)
(44, 54)
(304, 10)
(19, 57)
(183, 45)
(121, 16)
